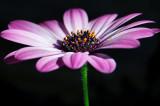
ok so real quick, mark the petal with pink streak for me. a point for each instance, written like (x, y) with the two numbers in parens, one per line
(75, 19)
(156, 30)
(35, 52)
(121, 21)
(49, 63)
(134, 33)
(24, 37)
(55, 28)
(134, 24)
(75, 60)
(101, 24)
(10, 58)
(32, 27)
(102, 63)
(137, 23)
(120, 43)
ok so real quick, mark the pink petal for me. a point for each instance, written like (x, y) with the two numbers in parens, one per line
(10, 58)
(24, 37)
(134, 33)
(31, 27)
(156, 30)
(55, 28)
(125, 28)
(102, 63)
(101, 24)
(120, 43)
(75, 19)
(49, 63)
(136, 24)
(35, 52)
(75, 60)
(121, 21)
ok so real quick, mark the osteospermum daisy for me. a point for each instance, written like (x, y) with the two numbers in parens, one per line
(75, 42)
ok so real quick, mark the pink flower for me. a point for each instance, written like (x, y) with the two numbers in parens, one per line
(75, 42)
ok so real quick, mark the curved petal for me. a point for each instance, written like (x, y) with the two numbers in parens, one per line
(120, 43)
(35, 52)
(134, 33)
(75, 19)
(49, 63)
(137, 23)
(31, 27)
(75, 60)
(134, 24)
(101, 24)
(10, 58)
(55, 28)
(156, 30)
(121, 21)
(102, 63)
(24, 37)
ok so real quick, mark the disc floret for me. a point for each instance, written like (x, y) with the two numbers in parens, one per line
(80, 42)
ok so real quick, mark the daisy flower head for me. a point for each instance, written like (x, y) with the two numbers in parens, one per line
(76, 41)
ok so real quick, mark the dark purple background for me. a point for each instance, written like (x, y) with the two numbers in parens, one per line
(136, 80)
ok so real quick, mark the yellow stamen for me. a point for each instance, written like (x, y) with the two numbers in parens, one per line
(79, 39)
(85, 39)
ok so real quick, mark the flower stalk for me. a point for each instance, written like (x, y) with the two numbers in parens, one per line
(85, 84)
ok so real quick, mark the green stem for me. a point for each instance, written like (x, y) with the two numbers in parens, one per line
(85, 85)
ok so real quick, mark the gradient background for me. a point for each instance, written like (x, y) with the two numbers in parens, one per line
(136, 80)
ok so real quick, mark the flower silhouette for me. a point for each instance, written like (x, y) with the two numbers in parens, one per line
(76, 41)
